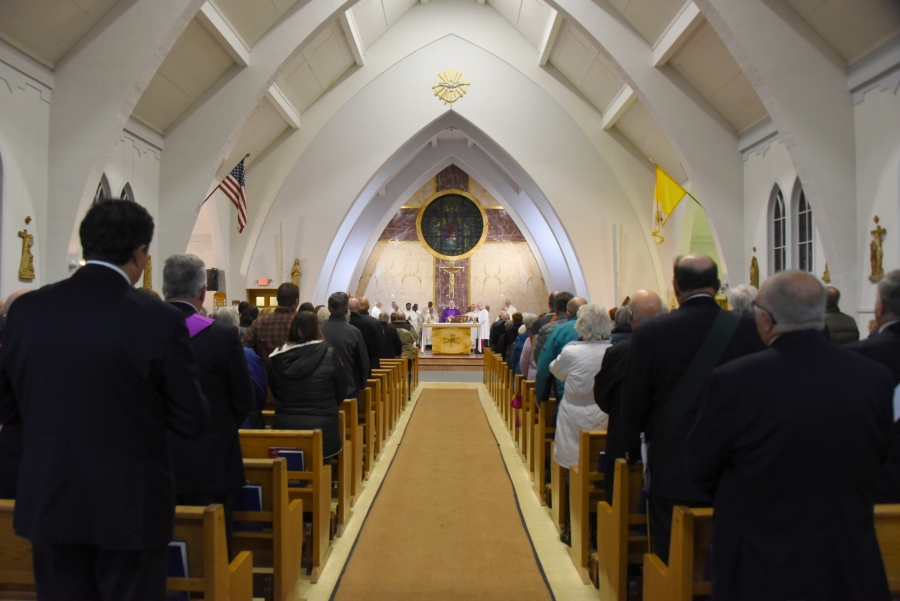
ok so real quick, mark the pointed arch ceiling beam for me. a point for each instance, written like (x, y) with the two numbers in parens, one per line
(223, 33)
(197, 145)
(95, 89)
(788, 67)
(703, 142)
(417, 161)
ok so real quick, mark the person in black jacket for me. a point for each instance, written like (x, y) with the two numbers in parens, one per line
(791, 441)
(498, 329)
(393, 346)
(210, 469)
(371, 330)
(97, 373)
(510, 335)
(661, 352)
(349, 344)
(308, 382)
(885, 349)
(643, 306)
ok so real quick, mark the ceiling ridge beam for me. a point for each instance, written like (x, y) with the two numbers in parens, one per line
(618, 107)
(283, 106)
(351, 31)
(677, 33)
(549, 38)
(224, 33)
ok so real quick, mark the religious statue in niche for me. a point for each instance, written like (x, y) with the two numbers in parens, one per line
(26, 263)
(876, 251)
(148, 273)
(826, 277)
(754, 271)
(295, 273)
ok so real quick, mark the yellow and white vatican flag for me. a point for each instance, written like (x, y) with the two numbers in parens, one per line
(666, 196)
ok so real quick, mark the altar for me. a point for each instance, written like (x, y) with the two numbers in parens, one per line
(451, 338)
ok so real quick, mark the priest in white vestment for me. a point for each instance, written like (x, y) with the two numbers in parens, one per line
(429, 315)
(508, 307)
(484, 327)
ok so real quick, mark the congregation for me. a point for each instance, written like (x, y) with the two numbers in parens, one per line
(738, 410)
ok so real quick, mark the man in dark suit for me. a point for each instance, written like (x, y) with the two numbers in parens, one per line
(98, 372)
(660, 403)
(885, 349)
(643, 306)
(349, 344)
(841, 328)
(370, 328)
(544, 319)
(210, 469)
(791, 442)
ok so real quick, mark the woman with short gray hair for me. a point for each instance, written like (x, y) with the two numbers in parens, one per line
(577, 365)
(740, 299)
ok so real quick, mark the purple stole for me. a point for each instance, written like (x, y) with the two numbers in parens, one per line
(196, 323)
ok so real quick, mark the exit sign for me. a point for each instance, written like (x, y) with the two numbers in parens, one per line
(263, 281)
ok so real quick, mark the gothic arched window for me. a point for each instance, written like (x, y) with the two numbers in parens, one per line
(803, 217)
(777, 232)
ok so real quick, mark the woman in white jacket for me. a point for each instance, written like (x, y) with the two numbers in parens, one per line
(577, 365)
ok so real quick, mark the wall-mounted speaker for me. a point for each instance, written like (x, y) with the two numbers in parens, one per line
(212, 280)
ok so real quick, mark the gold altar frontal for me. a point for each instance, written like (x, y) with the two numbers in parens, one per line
(451, 338)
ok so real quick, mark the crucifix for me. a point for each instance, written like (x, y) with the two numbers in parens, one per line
(452, 271)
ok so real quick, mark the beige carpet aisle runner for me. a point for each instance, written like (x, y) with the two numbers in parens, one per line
(445, 524)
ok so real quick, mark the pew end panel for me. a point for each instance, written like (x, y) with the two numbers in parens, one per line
(586, 491)
(685, 576)
(618, 545)
(354, 433)
(16, 567)
(316, 495)
(887, 529)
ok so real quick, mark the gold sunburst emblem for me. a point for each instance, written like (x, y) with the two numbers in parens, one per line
(450, 86)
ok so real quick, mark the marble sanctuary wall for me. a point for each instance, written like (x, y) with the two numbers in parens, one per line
(400, 268)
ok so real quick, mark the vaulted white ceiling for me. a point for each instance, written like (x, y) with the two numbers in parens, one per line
(222, 37)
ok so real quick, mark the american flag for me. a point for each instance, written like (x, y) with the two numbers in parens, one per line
(233, 187)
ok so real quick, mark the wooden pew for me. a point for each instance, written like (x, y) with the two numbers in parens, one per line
(342, 468)
(381, 404)
(618, 545)
(523, 436)
(385, 408)
(202, 528)
(370, 425)
(584, 496)
(543, 441)
(354, 433)
(684, 577)
(531, 421)
(269, 418)
(316, 495)
(515, 415)
(887, 529)
(278, 548)
(503, 393)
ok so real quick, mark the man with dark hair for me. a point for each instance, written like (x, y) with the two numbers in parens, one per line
(307, 307)
(670, 360)
(498, 331)
(270, 331)
(884, 347)
(842, 328)
(791, 441)
(560, 304)
(98, 374)
(370, 328)
(546, 317)
(348, 342)
(643, 306)
(210, 469)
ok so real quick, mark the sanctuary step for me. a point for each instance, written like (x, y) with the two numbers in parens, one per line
(430, 362)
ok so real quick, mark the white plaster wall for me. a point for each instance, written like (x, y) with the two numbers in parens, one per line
(877, 121)
(502, 271)
(354, 144)
(128, 164)
(24, 147)
(484, 27)
(398, 271)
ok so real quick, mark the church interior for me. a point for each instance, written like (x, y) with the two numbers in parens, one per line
(542, 129)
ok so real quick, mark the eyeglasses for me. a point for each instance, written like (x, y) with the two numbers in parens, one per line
(772, 317)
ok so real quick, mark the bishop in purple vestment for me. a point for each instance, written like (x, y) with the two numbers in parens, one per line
(450, 311)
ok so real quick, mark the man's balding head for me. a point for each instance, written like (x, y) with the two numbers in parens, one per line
(551, 300)
(354, 305)
(643, 306)
(695, 274)
(790, 301)
(363, 303)
(573, 304)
